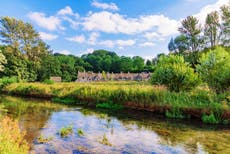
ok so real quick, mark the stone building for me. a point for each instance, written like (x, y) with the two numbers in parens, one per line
(90, 76)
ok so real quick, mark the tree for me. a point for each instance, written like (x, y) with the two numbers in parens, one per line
(173, 72)
(214, 69)
(192, 31)
(23, 43)
(181, 43)
(2, 61)
(225, 16)
(172, 46)
(211, 30)
(138, 64)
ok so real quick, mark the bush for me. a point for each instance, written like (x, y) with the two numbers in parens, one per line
(214, 69)
(173, 72)
(7, 80)
(47, 81)
(210, 119)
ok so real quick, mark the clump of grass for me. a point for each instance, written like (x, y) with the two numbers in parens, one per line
(105, 141)
(65, 131)
(80, 132)
(41, 139)
(174, 113)
(65, 100)
(210, 119)
(11, 138)
(110, 105)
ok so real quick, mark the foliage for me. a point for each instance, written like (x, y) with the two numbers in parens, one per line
(210, 119)
(225, 16)
(6, 81)
(173, 72)
(2, 61)
(110, 105)
(11, 138)
(65, 131)
(214, 69)
(48, 81)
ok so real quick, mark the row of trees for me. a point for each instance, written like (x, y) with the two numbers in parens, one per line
(24, 55)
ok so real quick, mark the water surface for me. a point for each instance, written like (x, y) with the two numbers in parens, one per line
(126, 132)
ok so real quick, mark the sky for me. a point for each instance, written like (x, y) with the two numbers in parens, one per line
(127, 27)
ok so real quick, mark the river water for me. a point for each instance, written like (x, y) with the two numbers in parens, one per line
(124, 132)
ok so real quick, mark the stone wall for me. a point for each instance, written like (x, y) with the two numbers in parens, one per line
(90, 76)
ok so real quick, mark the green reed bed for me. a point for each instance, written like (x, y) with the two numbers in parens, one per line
(199, 102)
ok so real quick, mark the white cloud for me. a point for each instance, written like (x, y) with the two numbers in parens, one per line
(209, 8)
(65, 11)
(50, 23)
(93, 38)
(65, 52)
(87, 51)
(78, 39)
(119, 43)
(47, 36)
(105, 6)
(147, 44)
(115, 23)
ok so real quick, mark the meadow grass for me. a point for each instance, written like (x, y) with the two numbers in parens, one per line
(139, 95)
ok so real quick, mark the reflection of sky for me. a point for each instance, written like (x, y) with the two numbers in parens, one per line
(127, 138)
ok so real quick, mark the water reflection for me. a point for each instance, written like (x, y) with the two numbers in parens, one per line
(108, 132)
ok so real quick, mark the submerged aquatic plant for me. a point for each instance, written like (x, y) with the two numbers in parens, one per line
(80, 132)
(105, 141)
(41, 139)
(110, 105)
(65, 131)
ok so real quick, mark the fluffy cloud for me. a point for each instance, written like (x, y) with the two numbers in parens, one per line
(65, 11)
(147, 44)
(46, 36)
(65, 52)
(119, 43)
(77, 39)
(115, 23)
(93, 38)
(105, 6)
(209, 8)
(50, 23)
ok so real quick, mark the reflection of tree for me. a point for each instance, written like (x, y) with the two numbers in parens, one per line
(31, 114)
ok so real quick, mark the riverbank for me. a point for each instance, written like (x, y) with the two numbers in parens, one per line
(199, 103)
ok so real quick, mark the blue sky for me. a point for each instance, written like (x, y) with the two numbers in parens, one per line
(128, 27)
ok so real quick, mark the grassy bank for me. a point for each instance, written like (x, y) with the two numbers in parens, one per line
(200, 102)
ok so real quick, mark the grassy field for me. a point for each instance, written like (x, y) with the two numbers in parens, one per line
(200, 102)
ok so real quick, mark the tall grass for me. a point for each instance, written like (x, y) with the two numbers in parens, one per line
(197, 102)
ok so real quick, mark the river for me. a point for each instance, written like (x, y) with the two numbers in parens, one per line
(104, 131)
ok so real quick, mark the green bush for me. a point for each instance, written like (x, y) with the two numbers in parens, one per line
(173, 72)
(214, 69)
(7, 80)
(47, 81)
(210, 119)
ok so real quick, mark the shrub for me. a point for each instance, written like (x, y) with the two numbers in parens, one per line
(214, 69)
(175, 73)
(7, 80)
(210, 119)
(11, 138)
(47, 81)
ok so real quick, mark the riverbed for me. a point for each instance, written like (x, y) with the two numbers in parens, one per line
(105, 131)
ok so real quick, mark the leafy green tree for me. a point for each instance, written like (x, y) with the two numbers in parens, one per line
(172, 46)
(23, 44)
(211, 30)
(181, 43)
(225, 16)
(138, 64)
(173, 72)
(2, 61)
(214, 69)
(126, 64)
(192, 31)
